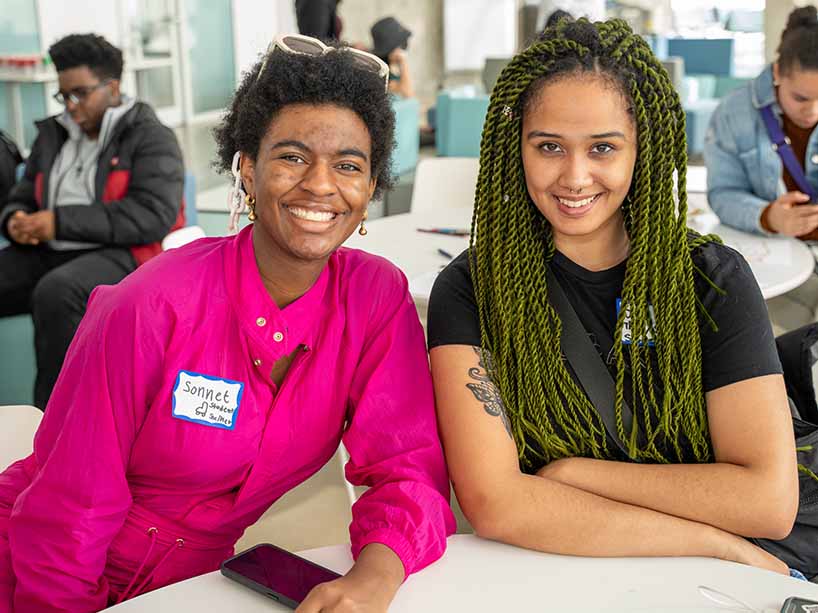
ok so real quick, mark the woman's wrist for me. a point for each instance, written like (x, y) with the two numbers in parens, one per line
(727, 546)
(380, 567)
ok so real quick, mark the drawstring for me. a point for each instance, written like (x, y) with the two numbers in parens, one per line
(152, 531)
(177, 545)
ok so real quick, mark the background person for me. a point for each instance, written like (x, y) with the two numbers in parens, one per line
(102, 187)
(390, 40)
(748, 186)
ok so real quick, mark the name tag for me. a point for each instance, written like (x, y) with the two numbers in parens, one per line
(206, 400)
(627, 334)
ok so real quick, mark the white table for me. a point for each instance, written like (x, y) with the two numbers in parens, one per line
(779, 264)
(696, 179)
(20, 422)
(396, 238)
(476, 575)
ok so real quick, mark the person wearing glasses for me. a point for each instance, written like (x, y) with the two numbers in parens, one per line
(102, 187)
(224, 373)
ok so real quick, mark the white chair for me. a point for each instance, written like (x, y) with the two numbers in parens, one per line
(343, 458)
(20, 422)
(182, 236)
(444, 182)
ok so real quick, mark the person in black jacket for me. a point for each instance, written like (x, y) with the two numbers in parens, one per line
(318, 18)
(101, 189)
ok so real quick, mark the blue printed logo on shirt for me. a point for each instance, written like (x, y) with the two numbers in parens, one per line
(627, 334)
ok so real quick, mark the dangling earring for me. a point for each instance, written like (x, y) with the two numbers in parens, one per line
(251, 204)
(362, 230)
(235, 200)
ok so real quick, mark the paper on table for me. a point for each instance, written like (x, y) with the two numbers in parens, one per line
(421, 285)
(704, 222)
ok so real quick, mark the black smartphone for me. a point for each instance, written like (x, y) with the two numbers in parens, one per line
(276, 573)
(799, 605)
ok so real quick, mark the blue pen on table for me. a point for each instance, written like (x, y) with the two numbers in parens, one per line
(445, 254)
(450, 231)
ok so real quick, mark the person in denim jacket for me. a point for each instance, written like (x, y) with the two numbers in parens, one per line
(748, 187)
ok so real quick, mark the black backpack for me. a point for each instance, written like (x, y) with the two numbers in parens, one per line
(10, 159)
(798, 351)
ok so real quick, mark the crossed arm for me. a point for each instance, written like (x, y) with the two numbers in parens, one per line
(602, 508)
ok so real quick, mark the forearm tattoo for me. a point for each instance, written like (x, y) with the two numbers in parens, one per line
(485, 391)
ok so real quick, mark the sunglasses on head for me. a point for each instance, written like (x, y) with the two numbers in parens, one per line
(306, 45)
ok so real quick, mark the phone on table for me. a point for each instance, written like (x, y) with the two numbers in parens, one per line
(276, 573)
(799, 605)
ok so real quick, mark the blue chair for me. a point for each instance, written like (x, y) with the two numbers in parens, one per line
(709, 90)
(708, 66)
(17, 362)
(407, 134)
(191, 215)
(697, 118)
(460, 124)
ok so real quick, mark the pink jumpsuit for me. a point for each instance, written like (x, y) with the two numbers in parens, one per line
(165, 436)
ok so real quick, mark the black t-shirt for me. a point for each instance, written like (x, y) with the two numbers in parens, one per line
(743, 347)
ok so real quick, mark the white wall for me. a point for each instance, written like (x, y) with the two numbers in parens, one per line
(60, 18)
(473, 31)
(255, 24)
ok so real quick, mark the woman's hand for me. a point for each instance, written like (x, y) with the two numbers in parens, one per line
(368, 587)
(738, 549)
(346, 595)
(397, 56)
(790, 215)
(733, 548)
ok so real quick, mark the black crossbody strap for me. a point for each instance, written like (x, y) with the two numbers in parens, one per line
(588, 366)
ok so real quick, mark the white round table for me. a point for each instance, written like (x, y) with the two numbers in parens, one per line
(779, 264)
(476, 575)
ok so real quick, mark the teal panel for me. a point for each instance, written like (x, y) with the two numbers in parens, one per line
(460, 124)
(33, 96)
(18, 28)
(212, 67)
(407, 134)
(5, 120)
(17, 363)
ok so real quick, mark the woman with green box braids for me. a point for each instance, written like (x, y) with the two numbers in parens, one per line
(582, 142)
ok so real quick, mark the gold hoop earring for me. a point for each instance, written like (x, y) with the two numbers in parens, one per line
(362, 230)
(251, 204)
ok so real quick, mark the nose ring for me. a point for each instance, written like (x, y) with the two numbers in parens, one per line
(575, 191)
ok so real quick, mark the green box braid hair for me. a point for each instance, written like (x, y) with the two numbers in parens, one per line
(512, 243)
